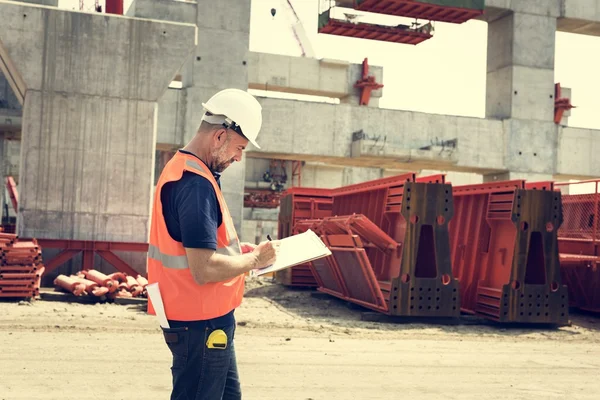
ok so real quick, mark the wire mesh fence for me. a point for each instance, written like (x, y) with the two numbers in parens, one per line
(581, 208)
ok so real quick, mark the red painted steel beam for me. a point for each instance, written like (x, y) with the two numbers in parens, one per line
(348, 29)
(376, 184)
(415, 9)
(114, 7)
(60, 259)
(117, 262)
(486, 188)
(92, 245)
(542, 185)
(89, 247)
(13, 193)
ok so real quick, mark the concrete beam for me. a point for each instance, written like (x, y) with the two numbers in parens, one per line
(328, 78)
(393, 139)
(326, 132)
(573, 16)
(89, 117)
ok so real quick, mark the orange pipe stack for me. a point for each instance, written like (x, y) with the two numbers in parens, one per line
(21, 267)
(95, 283)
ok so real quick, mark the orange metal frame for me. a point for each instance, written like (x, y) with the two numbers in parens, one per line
(367, 84)
(389, 243)
(504, 251)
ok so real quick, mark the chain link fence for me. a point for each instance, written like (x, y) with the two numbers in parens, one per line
(581, 207)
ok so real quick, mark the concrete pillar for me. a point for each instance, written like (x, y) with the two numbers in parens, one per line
(91, 84)
(520, 66)
(221, 62)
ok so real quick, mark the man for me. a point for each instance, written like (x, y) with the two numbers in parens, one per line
(195, 255)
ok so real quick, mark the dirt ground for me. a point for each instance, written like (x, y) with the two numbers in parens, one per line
(294, 345)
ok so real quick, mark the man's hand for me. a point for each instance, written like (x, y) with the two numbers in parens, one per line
(247, 247)
(266, 253)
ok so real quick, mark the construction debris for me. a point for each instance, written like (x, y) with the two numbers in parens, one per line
(95, 283)
(21, 267)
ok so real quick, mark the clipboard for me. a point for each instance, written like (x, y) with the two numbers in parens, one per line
(295, 250)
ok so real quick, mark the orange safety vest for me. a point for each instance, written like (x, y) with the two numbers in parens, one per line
(183, 298)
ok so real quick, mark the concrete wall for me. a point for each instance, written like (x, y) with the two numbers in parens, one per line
(86, 185)
(89, 118)
(579, 152)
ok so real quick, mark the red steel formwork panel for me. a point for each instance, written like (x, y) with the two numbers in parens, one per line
(394, 257)
(505, 251)
(298, 204)
(579, 243)
(394, 34)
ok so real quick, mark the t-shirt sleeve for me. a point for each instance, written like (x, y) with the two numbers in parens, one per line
(198, 212)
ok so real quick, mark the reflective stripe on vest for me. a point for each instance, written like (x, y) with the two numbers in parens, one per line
(169, 261)
(180, 262)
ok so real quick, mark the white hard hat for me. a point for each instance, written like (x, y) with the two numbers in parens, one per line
(241, 111)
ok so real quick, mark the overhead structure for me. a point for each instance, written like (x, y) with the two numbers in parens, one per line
(360, 30)
(453, 11)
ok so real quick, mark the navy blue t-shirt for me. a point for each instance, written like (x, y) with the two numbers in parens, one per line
(191, 210)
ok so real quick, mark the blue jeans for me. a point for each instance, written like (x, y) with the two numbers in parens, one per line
(199, 372)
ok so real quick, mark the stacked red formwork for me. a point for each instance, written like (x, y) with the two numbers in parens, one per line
(298, 204)
(579, 243)
(390, 249)
(504, 248)
(21, 267)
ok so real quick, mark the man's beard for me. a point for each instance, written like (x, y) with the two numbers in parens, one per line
(220, 164)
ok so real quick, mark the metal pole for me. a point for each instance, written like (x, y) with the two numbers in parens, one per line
(2, 178)
(595, 215)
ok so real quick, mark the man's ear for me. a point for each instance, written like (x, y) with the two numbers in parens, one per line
(220, 136)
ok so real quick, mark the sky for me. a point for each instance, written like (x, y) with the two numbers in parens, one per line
(444, 75)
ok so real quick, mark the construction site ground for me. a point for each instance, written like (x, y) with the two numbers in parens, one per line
(292, 344)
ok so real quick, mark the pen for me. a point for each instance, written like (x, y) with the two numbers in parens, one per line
(269, 237)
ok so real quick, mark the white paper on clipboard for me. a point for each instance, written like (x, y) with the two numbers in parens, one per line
(156, 299)
(297, 249)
